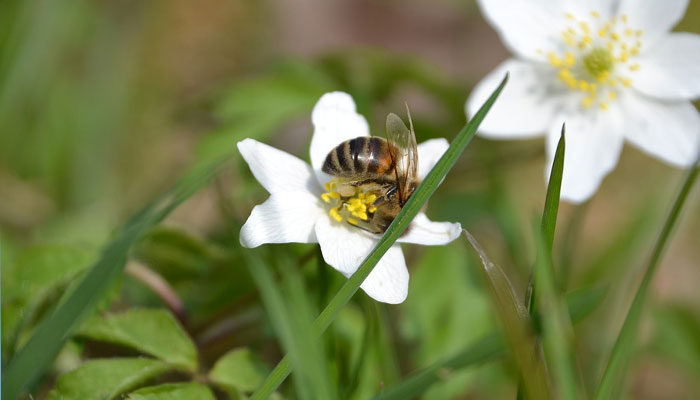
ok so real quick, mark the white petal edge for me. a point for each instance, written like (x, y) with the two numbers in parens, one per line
(429, 153)
(671, 70)
(529, 28)
(335, 120)
(669, 131)
(524, 108)
(276, 170)
(594, 142)
(344, 248)
(654, 17)
(283, 218)
(429, 233)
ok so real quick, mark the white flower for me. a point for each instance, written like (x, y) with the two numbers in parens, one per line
(610, 69)
(295, 212)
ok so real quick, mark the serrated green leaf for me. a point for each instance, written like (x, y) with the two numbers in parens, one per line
(33, 359)
(153, 332)
(106, 379)
(173, 391)
(238, 369)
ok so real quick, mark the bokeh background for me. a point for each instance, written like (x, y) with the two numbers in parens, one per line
(104, 104)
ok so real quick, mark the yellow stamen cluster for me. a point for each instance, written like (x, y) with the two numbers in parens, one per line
(354, 209)
(595, 51)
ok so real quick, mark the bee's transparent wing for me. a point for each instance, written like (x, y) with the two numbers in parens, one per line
(404, 152)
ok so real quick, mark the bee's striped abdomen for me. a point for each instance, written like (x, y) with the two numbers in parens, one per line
(364, 156)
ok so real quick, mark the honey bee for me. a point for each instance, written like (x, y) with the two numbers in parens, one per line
(380, 172)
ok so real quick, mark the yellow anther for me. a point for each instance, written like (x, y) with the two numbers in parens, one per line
(372, 209)
(603, 32)
(595, 14)
(554, 60)
(335, 215)
(571, 31)
(623, 17)
(612, 95)
(583, 85)
(353, 221)
(603, 106)
(625, 82)
(638, 33)
(569, 16)
(610, 46)
(634, 51)
(614, 36)
(603, 77)
(584, 27)
(629, 32)
(569, 59)
(325, 197)
(587, 102)
(623, 56)
(567, 38)
(634, 67)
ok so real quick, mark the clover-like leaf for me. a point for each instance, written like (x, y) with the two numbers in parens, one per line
(153, 332)
(238, 369)
(107, 378)
(173, 391)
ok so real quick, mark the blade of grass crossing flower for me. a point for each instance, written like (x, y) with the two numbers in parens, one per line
(291, 317)
(615, 368)
(551, 209)
(397, 227)
(516, 325)
(48, 338)
(556, 323)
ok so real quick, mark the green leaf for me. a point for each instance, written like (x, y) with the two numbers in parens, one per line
(516, 325)
(617, 363)
(173, 391)
(33, 359)
(397, 227)
(239, 370)
(106, 379)
(153, 332)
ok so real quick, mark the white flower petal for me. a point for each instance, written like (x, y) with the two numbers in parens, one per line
(525, 107)
(529, 28)
(276, 170)
(344, 248)
(655, 18)
(428, 233)
(283, 218)
(666, 130)
(593, 144)
(429, 152)
(335, 120)
(671, 70)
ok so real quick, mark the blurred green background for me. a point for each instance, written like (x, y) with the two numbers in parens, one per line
(105, 104)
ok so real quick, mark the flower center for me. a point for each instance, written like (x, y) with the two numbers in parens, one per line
(597, 58)
(349, 203)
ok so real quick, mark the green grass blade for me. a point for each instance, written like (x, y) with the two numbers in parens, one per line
(291, 317)
(397, 227)
(516, 325)
(556, 324)
(615, 368)
(580, 303)
(33, 359)
(551, 209)
(483, 350)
